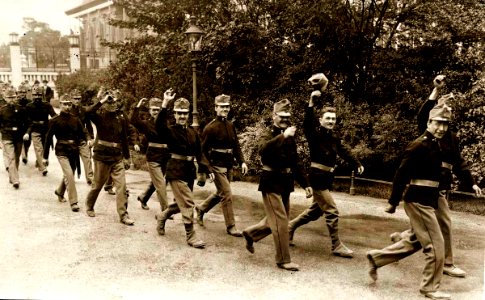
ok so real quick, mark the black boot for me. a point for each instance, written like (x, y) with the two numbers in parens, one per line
(166, 214)
(192, 239)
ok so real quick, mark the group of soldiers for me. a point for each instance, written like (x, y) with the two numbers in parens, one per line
(178, 155)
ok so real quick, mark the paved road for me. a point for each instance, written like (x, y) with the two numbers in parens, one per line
(49, 252)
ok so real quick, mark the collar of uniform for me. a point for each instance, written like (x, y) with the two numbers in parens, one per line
(278, 130)
(222, 119)
(429, 136)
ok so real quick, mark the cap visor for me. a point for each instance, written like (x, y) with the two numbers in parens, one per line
(181, 110)
(284, 114)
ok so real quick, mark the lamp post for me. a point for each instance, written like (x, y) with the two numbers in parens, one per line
(15, 59)
(74, 53)
(194, 37)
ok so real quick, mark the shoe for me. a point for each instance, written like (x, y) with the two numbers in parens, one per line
(143, 204)
(24, 160)
(453, 271)
(160, 224)
(60, 197)
(232, 230)
(44, 173)
(395, 237)
(74, 207)
(289, 266)
(343, 251)
(436, 295)
(372, 266)
(200, 216)
(16, 185)
(127, 221)
(110, 191)
(90, 213)
(249, 242)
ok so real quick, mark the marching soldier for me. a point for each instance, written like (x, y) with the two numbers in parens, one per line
(420, 168)
(38, 112)
(22, 101)
(184, 144)
(110, 148)
(157, 153)
(13, 125)
(325, 145)
(79, 111)
(281, 166)
(221, 146)
(69, 133)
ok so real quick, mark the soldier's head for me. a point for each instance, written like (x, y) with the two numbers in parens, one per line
(45, 82)
(181, 111)
(65, 103)
(111, 104)
(76, 97)
(282, 114)
(222, 105)
(10, 95)
(439, 119)
(22, 91)
(328, 118)
(37, 93)
(154, 106)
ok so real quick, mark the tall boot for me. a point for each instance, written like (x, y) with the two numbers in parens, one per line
(304, 218)
(192, 239)
(166, 214)
(206, 206)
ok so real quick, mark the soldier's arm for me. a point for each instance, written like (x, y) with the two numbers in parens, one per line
(423, 113)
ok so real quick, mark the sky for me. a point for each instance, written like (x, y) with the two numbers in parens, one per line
(51, 12)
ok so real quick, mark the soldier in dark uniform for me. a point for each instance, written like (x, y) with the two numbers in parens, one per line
(13, 125)
(79, 111)
(38, 112)
(23, 101)
(325, 145)
(421, 169)
(221, 146)
(453, 162)
(110, 147)
(157, 153)
(281, 166)
(184, 145)
(69, 133)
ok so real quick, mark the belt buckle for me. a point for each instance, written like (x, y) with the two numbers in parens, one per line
(331, 170)
(14, 128)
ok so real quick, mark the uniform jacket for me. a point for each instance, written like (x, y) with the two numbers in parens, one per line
(422, 160)
(181, 140)
(13, 122)
(279, 153)
(111, 127)
(65, 127)
(324, 146)
(221, 134)
(149, 129)
(38, 113)
(80, 112)
(450, 146)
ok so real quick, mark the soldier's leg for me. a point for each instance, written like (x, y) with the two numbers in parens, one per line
(108, 187)
(9, 149)
(427, 229)
(101, 175)
(25, 150)
(69, 180)
(85, 154)
(119, 182)
(158, 180)
(147, 193)
(38, 150)
(313, 213)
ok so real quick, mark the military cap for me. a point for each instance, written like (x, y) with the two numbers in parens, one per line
(65, 99)
(10, 93)
(37, 90)
(223, 100)
(181, 105)
(282, 108)
(22, 89)
(440, 113)
(155, 103)
(76, 94)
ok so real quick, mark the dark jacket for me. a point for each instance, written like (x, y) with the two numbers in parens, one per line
(149, 129)
(80, 112)
(221, 134)
(111, 127)
(279, 153)
(69, 133)
(324, 146)
(422, 160)
(38, 113)
(450, 146)
(13, 122)
(181, 140)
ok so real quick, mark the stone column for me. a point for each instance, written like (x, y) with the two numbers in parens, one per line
(15, 60)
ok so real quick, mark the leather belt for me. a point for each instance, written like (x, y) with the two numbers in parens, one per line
(425, 182)
(157, 145)
(38, 122)
(322, 167)
(70, 142)
(109, 144)
(446, 165)
(11, 128)
(182, 157)
(279, 170)
(222, 150)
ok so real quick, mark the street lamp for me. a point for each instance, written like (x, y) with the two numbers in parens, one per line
(14, 38)
(194, 37)
(73, 40)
